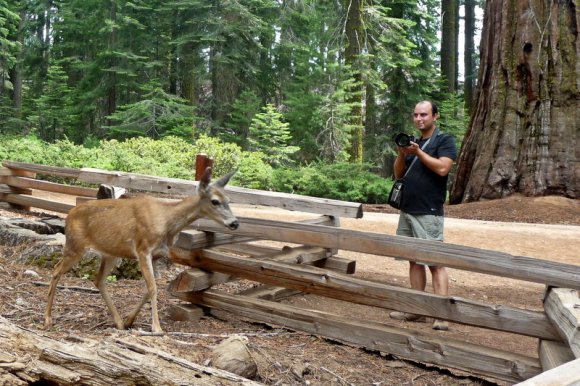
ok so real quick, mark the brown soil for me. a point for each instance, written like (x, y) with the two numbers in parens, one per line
(544, 227)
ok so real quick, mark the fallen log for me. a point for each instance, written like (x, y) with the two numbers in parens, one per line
(28, 357)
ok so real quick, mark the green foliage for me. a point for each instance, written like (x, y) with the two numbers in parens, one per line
(8, 47)
(55, 113)
(175, 157)
(10, 122)
(342, 181)
(405, 57)
(271, 136)
(157, 114)
(254, 172)
(334, 115)
(169, 157)
(244, 108)
(453, 118)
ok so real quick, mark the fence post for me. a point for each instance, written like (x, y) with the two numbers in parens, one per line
(202, 161)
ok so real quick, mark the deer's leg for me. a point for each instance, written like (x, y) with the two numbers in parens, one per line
(107, 264)
(130, 319)
(68, 261)
(146, 264)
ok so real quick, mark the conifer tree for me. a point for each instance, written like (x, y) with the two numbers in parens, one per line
(271, 136)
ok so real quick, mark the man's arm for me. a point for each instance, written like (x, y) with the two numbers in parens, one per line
(441, 165)
(399, 167)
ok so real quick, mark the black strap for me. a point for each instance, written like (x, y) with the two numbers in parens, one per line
(436, 133)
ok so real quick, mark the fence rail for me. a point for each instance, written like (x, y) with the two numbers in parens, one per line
(315, 268)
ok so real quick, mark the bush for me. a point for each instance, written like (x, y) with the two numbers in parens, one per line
(171, 157)
(342, 181)
(174, 157)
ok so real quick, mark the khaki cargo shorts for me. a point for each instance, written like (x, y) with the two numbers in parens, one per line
(422, 226)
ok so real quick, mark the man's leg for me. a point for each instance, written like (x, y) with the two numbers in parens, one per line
(440, 287)
(417, 276)
(440, 280)
(418, 279)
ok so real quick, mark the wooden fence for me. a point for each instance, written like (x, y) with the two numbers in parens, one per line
(313, 266)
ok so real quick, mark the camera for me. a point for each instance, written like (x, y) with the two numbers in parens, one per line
(404, 140)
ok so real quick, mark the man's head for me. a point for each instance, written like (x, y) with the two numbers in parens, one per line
(425, 116)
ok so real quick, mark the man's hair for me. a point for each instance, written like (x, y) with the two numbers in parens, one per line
(434, 108)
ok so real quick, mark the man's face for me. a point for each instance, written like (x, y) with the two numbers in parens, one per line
(423, 117)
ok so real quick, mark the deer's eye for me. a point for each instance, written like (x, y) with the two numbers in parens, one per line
(215, 202)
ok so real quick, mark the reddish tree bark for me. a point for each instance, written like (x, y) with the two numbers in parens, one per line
(523, 135)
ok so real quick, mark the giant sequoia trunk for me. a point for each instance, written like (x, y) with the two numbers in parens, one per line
(524, 129)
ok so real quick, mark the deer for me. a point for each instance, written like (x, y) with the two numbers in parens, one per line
(142, 228)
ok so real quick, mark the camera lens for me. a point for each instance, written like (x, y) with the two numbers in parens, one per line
(403, 140)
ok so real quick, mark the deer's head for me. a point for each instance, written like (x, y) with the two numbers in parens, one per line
(215, 204)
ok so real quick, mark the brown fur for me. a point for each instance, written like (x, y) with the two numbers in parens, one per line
(141, 228)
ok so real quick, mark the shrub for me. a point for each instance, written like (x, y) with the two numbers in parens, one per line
(342, 181)
(174, 157)
(168, 157)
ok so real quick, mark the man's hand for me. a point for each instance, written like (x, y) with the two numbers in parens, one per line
(412, 149)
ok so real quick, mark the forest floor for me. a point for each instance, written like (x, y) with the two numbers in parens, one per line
(543, 227)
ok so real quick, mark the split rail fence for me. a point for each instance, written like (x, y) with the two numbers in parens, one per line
(215, 255)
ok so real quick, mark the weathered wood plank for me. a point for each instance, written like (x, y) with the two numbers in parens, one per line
(566, 375)
(340, 286)
(553, 354)
(14, 190)
(194, 238)
(300, 255)
(295, 202)
(137, 181)
(337, 263)
(239, 195)
(16, 172)
(562, 306)
(247, 249)
(269, 292)
(5, 172)
(413, 345)
(36, 202)
(24, 182)
(43, 169)
(33, 358)
(434, 252)
(195, 279)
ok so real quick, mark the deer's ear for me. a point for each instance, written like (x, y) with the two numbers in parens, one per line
(225, 179)
(205, 179)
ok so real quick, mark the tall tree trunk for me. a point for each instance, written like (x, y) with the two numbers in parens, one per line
(448, 45)
(468, 54)
(112, 81)
(524, 131)
(17, 74)
(456, 46)
(354, 44)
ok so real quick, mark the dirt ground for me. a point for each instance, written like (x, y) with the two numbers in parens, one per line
(545, 227)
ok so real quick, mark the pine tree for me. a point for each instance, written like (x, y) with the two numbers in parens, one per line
(157, 114)
(55, 114)
(271, 136)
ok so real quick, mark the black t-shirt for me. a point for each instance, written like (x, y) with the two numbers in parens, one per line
(425, 190)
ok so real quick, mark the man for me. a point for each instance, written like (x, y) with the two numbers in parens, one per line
(423, 197)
